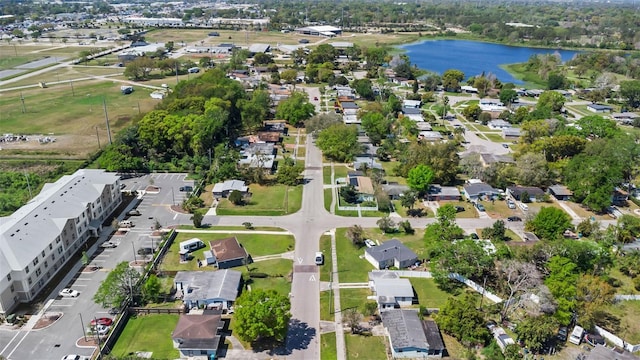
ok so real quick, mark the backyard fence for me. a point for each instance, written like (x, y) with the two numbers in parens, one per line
(617, 340)
(147, 311)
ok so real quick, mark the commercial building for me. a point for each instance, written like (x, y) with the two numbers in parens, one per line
(38, 239)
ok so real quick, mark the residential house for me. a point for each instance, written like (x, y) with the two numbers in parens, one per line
(440, 193)
(38, 239)
(477, 190)
(468, 89)
(487, 159)
(410, 337)
(423, 126)
(348, 105)
(511, 133)
(430, 136)
(533, 192)
(490, 105)
(414, 114)
(269, 136)
(211, 289)
(223, 189)
(276, 126)
(498, 124)
(226, 253)
(533, 93)
(368, 161)
(619, 196)
(597, 108)
(502, 339)
(198, 334)
(411, 104)
(560, 192)
(392, 253)
(362, 183)
(265, 162)
(625, 118)
(390, 291)
(259, 148)
(395, 190)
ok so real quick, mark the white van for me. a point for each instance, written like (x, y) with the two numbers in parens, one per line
(524, 207)
(191, 245)
(319, 258)
(576, 335)
(125, 223)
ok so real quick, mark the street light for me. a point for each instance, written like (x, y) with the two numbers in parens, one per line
(84, 333)
(135, 259)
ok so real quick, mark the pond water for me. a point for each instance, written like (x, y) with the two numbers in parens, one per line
(474, 57)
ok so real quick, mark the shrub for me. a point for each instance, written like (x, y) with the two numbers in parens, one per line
(236, 197)
(258, 275)
(636, 283)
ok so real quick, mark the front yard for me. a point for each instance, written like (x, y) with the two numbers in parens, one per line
(365, 347)
(150, 333)
(274, 200)
(429, 295)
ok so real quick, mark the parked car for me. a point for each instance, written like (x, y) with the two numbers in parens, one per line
(108, 244)
(114, 311)
(75, 357)
(459, 208)
(102, 321)
(480, 207)
(315, 98)
(506, 146)
(134, 213)
(563, 332)
(514, 218)
(102, 330)
(69, 293)
(593, 339)
(369, 243)
(511, 204)
(145, 251)
(474, 236)
(186, 188)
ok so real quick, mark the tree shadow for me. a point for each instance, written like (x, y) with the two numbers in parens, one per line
(299, 337)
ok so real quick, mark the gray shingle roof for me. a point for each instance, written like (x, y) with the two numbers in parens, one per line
(202, 285)
(392, 249)
(405, 329)
(479, 188)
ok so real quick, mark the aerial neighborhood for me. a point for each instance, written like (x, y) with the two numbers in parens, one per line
(328, 180)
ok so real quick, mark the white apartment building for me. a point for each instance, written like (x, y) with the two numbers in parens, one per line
(40, 237)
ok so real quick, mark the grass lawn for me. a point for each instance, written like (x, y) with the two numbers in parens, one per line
(535, 207)
(340, 171)
(469, 211)
(351, 268)
(585, 213)
(328, 349)
(255, 244)
(353, 298)
(629, 314)
(627, 284)
(279, 271)
(365, 347)
(325, 247)
(326, 305)
(326, 175)
(266, 201)
(499, 209)
(429, 295)
(495, 137)
(454, 348)
(511, 235)
(148, 333)
(327, 199)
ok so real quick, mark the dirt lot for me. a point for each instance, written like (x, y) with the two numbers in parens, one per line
(68, 146)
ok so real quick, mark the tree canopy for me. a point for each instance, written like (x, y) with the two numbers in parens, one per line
(549, 223)
(262, 314)
(339, 142)
(419, 178)
(295, 109)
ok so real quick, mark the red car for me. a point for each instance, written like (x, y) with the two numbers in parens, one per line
(102, 321)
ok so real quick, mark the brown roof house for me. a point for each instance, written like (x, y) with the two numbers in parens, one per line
(226, 253)
(198, 334)
(269, 136)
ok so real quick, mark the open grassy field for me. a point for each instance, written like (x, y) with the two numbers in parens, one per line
(429, 295)
(628, 312)
(326, 305)
(148, 333)
(255, 244)
(278, 271)
(61, 77)
(69, 115)
(325, 247)
(353, 298)
(365, 347)
(266, 200)
(19, 54)
(351, 268)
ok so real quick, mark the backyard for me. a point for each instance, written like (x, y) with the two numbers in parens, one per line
(150, 333)
(271, 200)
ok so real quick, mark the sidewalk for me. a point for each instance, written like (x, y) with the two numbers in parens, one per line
(341, 349)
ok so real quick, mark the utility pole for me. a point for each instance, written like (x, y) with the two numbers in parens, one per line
(73, 93)
(84, 333)
(106, 116)
(177, 80)
(135, 259)
(24, 109)
(98, 136)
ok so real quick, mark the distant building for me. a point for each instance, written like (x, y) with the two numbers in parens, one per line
(512, 133)
(259, 48)
(499, 124)
(414, 114)
(597, 108)
(560, 192)
(38, 239)
(323, 30)
(410, 337)
(430, 136)
(533, 192)
(476, 191)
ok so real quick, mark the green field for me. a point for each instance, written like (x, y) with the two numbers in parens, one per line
(272, 200)
(353, 298)
(326, 306)
(350, 267)
(255, 244)
(328, 349)
(148, 333)
(325, 247)
(365, 347)
(278, 271)
(429, 295)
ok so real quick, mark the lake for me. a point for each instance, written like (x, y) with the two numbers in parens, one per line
(473, 57)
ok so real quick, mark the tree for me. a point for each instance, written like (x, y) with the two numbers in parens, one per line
(236, 197)
(556, 81)
(495, 232)
(445, 106)
(549, 223)
(518, 277)
(376, 126)
(406, 227)
(460, 319)
(139, 68)
(197, 218)
(339, 142)
(262, 314)
(536, 331)
(508, 96)
(561, 282)
(352, 318)
(386, 224)
(289, 172)
(85, 258)
(364, 88)
(321, 121)
(262, 59)
(408, 199)
(151, 289)
(445, 228)
(119, 284)
(472, 112)
(349, 194)
(419, 179)
(289, 76)
(551, 100)
(254, 110)
(355, 233)
(295, 109)
(592, 295)
(627, 228)
(532, 170)
(451, 80)
(630, 91)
